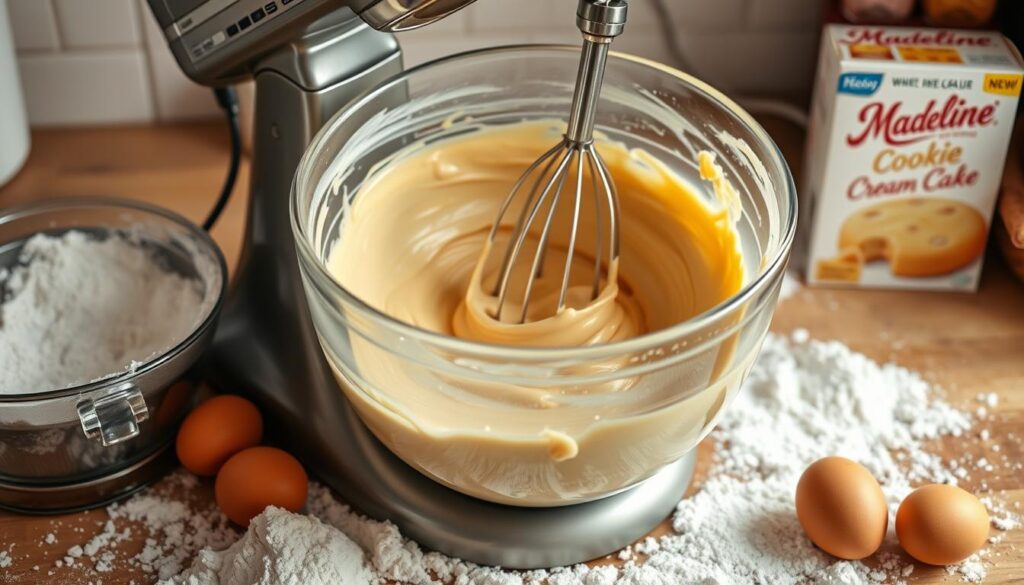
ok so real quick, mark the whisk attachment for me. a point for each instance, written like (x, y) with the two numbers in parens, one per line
(599, 21)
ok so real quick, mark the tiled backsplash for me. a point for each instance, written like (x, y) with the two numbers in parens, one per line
(103, 61)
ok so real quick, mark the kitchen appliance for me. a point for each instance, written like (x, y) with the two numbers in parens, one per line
(79, 447)
(14, 140)
(599, 23)
(309, 58)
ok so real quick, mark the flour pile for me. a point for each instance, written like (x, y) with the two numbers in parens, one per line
(281, 547)
(803, 400)
(76, 309)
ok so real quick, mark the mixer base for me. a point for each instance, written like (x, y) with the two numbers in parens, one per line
(442, 519)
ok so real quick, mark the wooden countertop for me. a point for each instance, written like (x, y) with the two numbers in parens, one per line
(966, 343)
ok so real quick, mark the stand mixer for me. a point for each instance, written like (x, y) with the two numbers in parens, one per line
(309, 58)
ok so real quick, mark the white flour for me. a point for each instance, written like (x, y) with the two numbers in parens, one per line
(283, 548)
(803, 400)
(77, 309)
(791, 285)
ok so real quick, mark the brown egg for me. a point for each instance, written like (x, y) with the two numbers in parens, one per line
(256, 478)
(216, 430)
(941, 524)
(842, 508)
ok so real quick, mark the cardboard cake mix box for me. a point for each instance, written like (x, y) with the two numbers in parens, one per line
(908, 136)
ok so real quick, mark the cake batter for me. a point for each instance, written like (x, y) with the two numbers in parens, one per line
(413, 245)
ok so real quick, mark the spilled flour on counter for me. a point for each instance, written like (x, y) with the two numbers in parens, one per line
(791, 284)
(803, 400)
(76, 309)
(281, 547)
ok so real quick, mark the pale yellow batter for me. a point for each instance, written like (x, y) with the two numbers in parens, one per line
(413, 246)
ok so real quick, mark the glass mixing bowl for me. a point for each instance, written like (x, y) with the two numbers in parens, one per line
(675, 381)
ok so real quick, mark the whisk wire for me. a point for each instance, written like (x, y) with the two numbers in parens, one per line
(538, 255)
(611, 195)
(527, 205)
(599, 21)
(518, 185)
(542, 245)
(520, 232)
(598, 243)
(564, 290)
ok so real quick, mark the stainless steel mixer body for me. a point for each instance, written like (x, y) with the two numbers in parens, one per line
(309, 58)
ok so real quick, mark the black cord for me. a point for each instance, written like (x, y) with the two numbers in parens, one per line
(227, 99)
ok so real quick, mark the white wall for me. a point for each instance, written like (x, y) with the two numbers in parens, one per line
(104, 61)
(739, 45)
(97, 62)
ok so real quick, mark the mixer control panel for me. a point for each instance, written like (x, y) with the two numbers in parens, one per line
(212, 25)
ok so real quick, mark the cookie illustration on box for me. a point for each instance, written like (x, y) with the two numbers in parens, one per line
(907, 139)
(917, 236)
(845, 267)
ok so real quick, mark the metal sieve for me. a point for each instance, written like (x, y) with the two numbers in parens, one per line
(88, 444)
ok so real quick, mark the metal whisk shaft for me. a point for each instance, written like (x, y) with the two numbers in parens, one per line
(599, 21)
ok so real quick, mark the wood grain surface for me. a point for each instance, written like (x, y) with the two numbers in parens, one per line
(965, 343)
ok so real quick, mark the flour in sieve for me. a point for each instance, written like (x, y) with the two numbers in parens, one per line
(77, 309)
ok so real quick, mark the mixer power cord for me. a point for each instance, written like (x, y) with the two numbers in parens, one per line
(227, 99)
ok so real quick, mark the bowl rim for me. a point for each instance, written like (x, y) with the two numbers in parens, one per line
(308, 256)
(67, 203)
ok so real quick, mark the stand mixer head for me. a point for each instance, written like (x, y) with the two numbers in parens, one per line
(219, 41)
